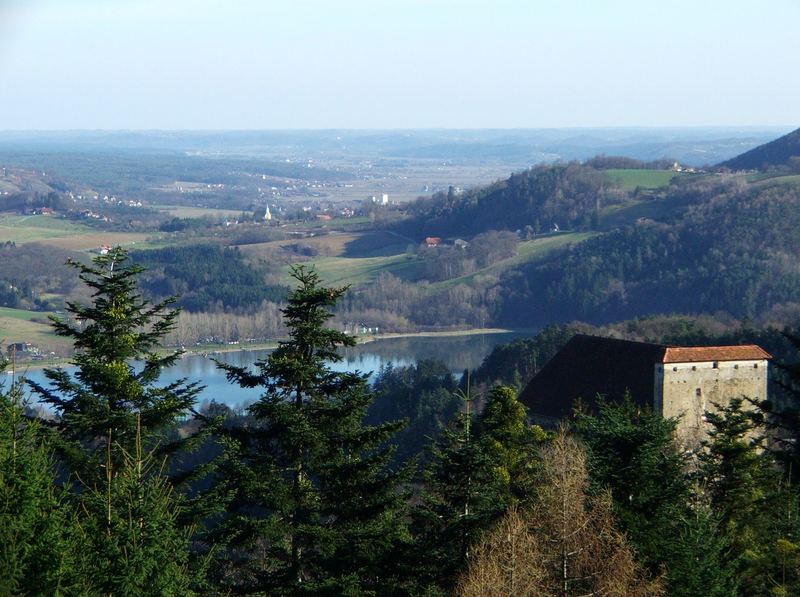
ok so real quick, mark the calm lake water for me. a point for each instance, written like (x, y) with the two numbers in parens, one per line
(457, 352)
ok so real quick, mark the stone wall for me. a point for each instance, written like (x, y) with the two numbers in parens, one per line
(688, 390)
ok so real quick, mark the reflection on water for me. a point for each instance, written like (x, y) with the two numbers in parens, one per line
(457, 352)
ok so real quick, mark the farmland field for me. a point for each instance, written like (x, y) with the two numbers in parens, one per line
(529, 250)
(17, 325)
(359, 271)
(26, 229)
(61, 233)
(792, 179)
(630, 179)
(92, 240)
(180, 211)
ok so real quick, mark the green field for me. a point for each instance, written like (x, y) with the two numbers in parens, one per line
(59, 232)
(181, 211)
(359, 271)
(17, 325)
(767, 179)
(26, 229)
(630, 179)
(529, 250)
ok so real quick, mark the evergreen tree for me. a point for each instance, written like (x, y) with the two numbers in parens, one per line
(740, 482)
(631, 452)
(479, 467)
(317, 510)
(39, 553)
(734, 468)
(102, 404)
(129, 524)
(107, 413)
(783, 415)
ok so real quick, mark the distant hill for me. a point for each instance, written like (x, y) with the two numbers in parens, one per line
(774, 154)
(726, 247)
(564, 196)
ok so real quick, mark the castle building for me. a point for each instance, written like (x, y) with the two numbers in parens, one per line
(680, 382)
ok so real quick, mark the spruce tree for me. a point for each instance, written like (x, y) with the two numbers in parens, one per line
(129, 525)
(102, 404)
(742, 485)
(111, 410)
(39, 553)
(735, 471)
(631, 452)
(317, 509)
(479, 467)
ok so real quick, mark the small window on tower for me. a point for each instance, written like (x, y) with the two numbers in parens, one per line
(755, 366)
(698, 392)
(715, 365)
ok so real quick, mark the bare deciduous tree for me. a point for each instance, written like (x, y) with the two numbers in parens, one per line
(565, 545)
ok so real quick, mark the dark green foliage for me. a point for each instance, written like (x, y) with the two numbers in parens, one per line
(783, 412)
(39, 553)
(206, 278)
(733, 466)
(422, 395)
(317, 510)
(540, 197)
(632, 452)
(479, 467)
(183, 224)
(107, 411)
(30, 270)
(770, 155)
(108, 398)
(515, 363)
(129, 524)
(719, 254)
(742, 487)
(698, 558)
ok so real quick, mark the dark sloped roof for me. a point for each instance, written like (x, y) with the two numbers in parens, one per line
(588, 365)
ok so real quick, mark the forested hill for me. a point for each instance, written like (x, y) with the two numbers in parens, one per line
(566, 195)
(734, 248)
(782, 152)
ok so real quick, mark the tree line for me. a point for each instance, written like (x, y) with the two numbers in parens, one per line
(119, 493)
(729, 250)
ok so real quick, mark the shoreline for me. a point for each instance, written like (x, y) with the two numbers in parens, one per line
(211, 349)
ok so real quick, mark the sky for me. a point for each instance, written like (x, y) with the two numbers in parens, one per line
(310, 64)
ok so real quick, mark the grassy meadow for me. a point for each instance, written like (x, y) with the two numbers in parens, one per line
(62, 233)
(630, 179)
(18, 325)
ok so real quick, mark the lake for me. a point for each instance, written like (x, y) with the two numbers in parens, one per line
(457, 352)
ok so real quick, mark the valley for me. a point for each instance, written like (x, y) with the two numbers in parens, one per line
(552, 243)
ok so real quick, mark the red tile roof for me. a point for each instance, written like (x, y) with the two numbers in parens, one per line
(696, 354)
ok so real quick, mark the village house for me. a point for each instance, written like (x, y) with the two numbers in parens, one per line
(679, 382)
(433, 241)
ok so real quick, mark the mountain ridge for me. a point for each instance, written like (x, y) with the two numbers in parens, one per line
(782, 151)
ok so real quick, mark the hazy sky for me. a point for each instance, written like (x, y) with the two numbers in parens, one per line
(240, 64)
